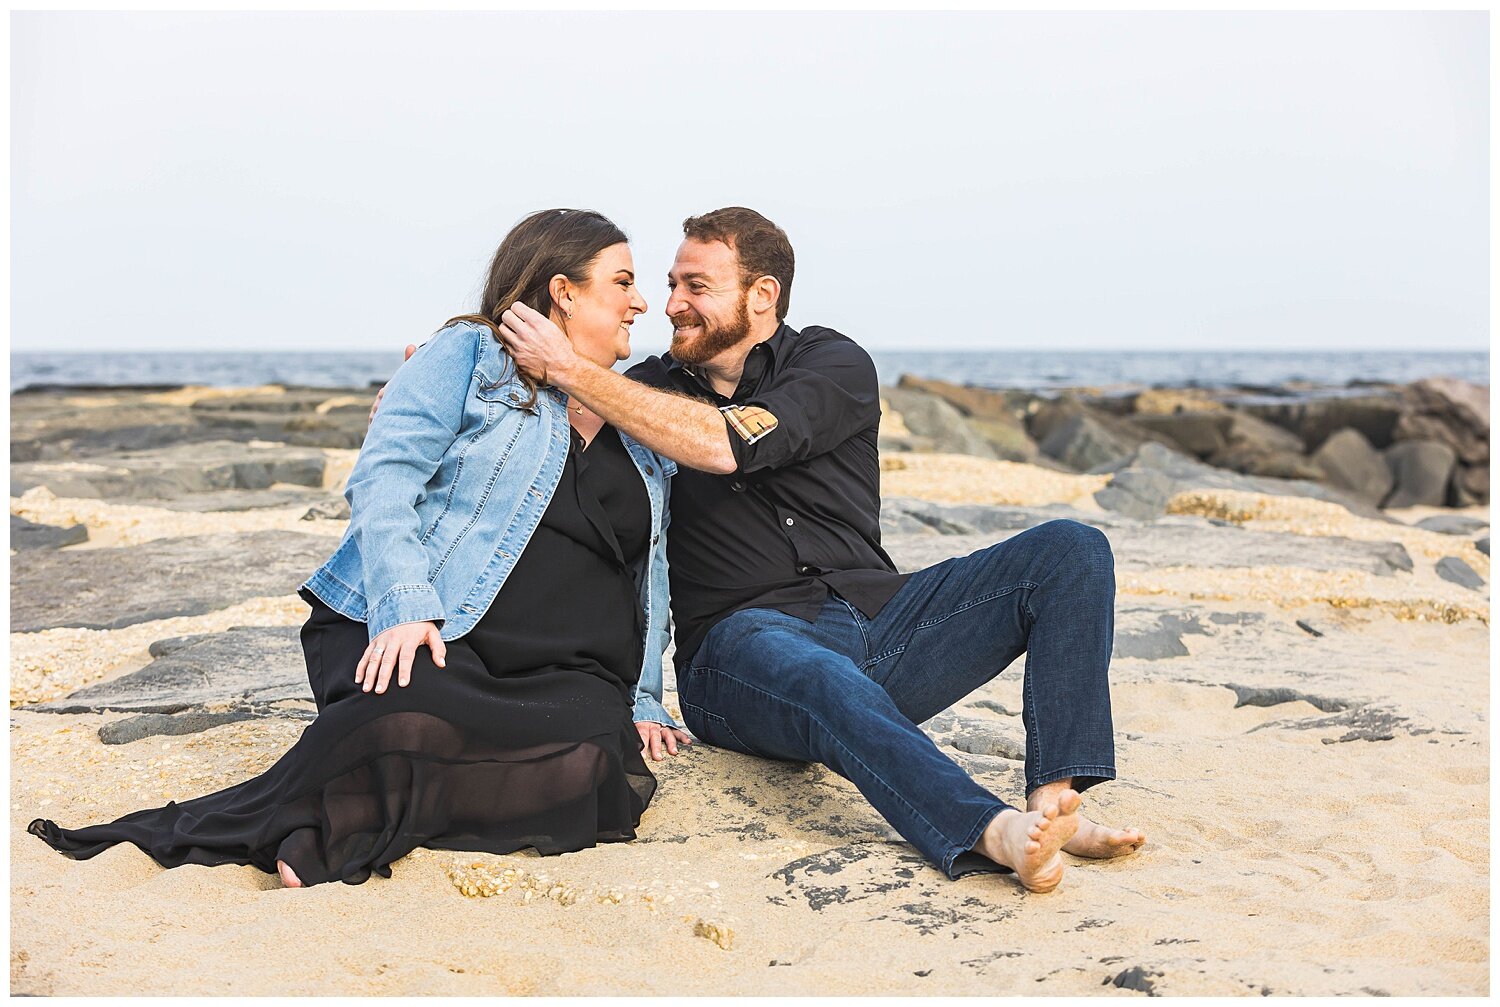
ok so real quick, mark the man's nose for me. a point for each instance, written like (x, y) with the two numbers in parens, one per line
(676, 304)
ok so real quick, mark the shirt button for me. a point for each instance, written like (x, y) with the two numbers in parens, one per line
(790, 522)
(737, 486)
(804, 569)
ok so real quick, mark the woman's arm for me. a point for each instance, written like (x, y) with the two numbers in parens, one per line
(419, 418)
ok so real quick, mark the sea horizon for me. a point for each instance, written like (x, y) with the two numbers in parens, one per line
(1304, 370)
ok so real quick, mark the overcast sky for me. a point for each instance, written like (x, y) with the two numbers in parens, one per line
(971, 181)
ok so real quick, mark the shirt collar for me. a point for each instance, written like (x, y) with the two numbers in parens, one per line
(763, 355)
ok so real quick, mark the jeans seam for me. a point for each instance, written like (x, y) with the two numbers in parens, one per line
(818, 720)
(972, 602)
(858, 623)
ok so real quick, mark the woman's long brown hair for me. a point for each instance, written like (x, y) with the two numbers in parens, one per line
(540, 247)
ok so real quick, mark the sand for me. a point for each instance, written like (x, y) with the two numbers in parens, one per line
(1282, 859)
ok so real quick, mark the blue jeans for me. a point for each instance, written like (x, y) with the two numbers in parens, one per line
(849, 692)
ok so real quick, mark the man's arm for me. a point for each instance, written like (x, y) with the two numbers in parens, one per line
(687, 430)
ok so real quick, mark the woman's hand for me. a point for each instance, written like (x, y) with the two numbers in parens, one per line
(654, 736)
(375, 406)
(398, 644)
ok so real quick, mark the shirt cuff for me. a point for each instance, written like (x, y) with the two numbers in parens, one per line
(405, 603)
(647, 708)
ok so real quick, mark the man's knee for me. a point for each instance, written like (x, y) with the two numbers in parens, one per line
(1079, 542)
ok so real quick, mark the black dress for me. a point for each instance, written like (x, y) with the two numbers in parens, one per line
(524, 739)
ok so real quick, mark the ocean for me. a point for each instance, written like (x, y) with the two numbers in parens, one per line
(1307, 371)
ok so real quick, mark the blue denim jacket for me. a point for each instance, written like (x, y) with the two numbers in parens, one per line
(451, 483)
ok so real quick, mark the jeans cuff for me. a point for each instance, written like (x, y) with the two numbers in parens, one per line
(953, 869)
(1084, 777)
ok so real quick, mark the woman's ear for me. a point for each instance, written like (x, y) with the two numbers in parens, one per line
(562, 294)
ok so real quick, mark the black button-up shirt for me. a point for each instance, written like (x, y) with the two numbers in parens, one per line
(801, 515)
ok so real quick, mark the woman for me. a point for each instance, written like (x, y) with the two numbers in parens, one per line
(505, 567)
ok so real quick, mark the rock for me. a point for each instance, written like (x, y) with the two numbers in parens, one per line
(1314, 420)
(1190, 541)
(1145, 496)
(1084, 443)
(1451, 412)
(1251, 695)
(1452, 524)
(1199, 433)
(329, 510)
(1352, 464)
(1007, 438)
(979, 738)
(224, 501)
(1149, 635)
(174, 471)
(1483, 545)
(1246, 430)
(975, 403)
(244, 670)
(1421, 470)
(1456, 571)
(110, 588)
(1268, 462)
(930, 417)
(150, 725)
(1135, 978)
(1470, 485)
(955, 519)
(25, 534)
(1165, 401)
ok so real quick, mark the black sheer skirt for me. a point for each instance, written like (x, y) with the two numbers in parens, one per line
(495, 752)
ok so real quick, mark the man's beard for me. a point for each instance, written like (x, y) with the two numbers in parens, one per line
(712, 339)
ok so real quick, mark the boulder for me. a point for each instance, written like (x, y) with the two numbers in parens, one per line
(26, 534)
(1248, 430)
(1449, 411)
(1269, 462)
(1453, 524)
(1314, 420)
(1199, 433)
(1153, 474)
(1456, 571)
(162, 579)
(1421, 470)
(944, 426)
(1470, 485)
(982, 403)
(172, 472)
(1174, 400)
(1483, 545)
(1352, 464)
(245, 669)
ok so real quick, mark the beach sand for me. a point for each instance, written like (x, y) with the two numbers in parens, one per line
(1334, 841)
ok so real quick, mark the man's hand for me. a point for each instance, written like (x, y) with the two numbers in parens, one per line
(375, 406)
(654, 736)
(398, 644)
(538, 347)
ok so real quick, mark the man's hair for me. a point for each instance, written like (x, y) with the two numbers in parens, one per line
(762, 247)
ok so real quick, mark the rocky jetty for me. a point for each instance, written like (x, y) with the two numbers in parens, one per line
(1296, 666)
(1426, 443)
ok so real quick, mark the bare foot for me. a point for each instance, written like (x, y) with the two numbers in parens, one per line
(288, 876)
(1100, 842)
(1028, 841)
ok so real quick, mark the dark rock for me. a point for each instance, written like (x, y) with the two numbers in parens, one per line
(1177, 473)
(150, 725)
(1254, 695)
(1421, 470)
(26, 534)
(1148, 635)
(1358, 723)
(1200, 434)
(1483, 545)
(1456, 571)
(224, 501)
(1451, 412)
(1314, 420)
(944, 426)
(330, 510)
(1274, 464)
(110, 588)
(1470, 485)
(1308, 629)
(1135, 978)
(978, 738)
(174, 471)
(1086, 442)
(1452, 524)
(1352, 464)
(242, 670)
(1246, 430)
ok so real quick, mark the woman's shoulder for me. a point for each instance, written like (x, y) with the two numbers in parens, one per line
(477, 341)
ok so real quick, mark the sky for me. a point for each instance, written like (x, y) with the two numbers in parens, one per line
(338, 181)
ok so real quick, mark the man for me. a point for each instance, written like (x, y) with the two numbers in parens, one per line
(796, 638)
